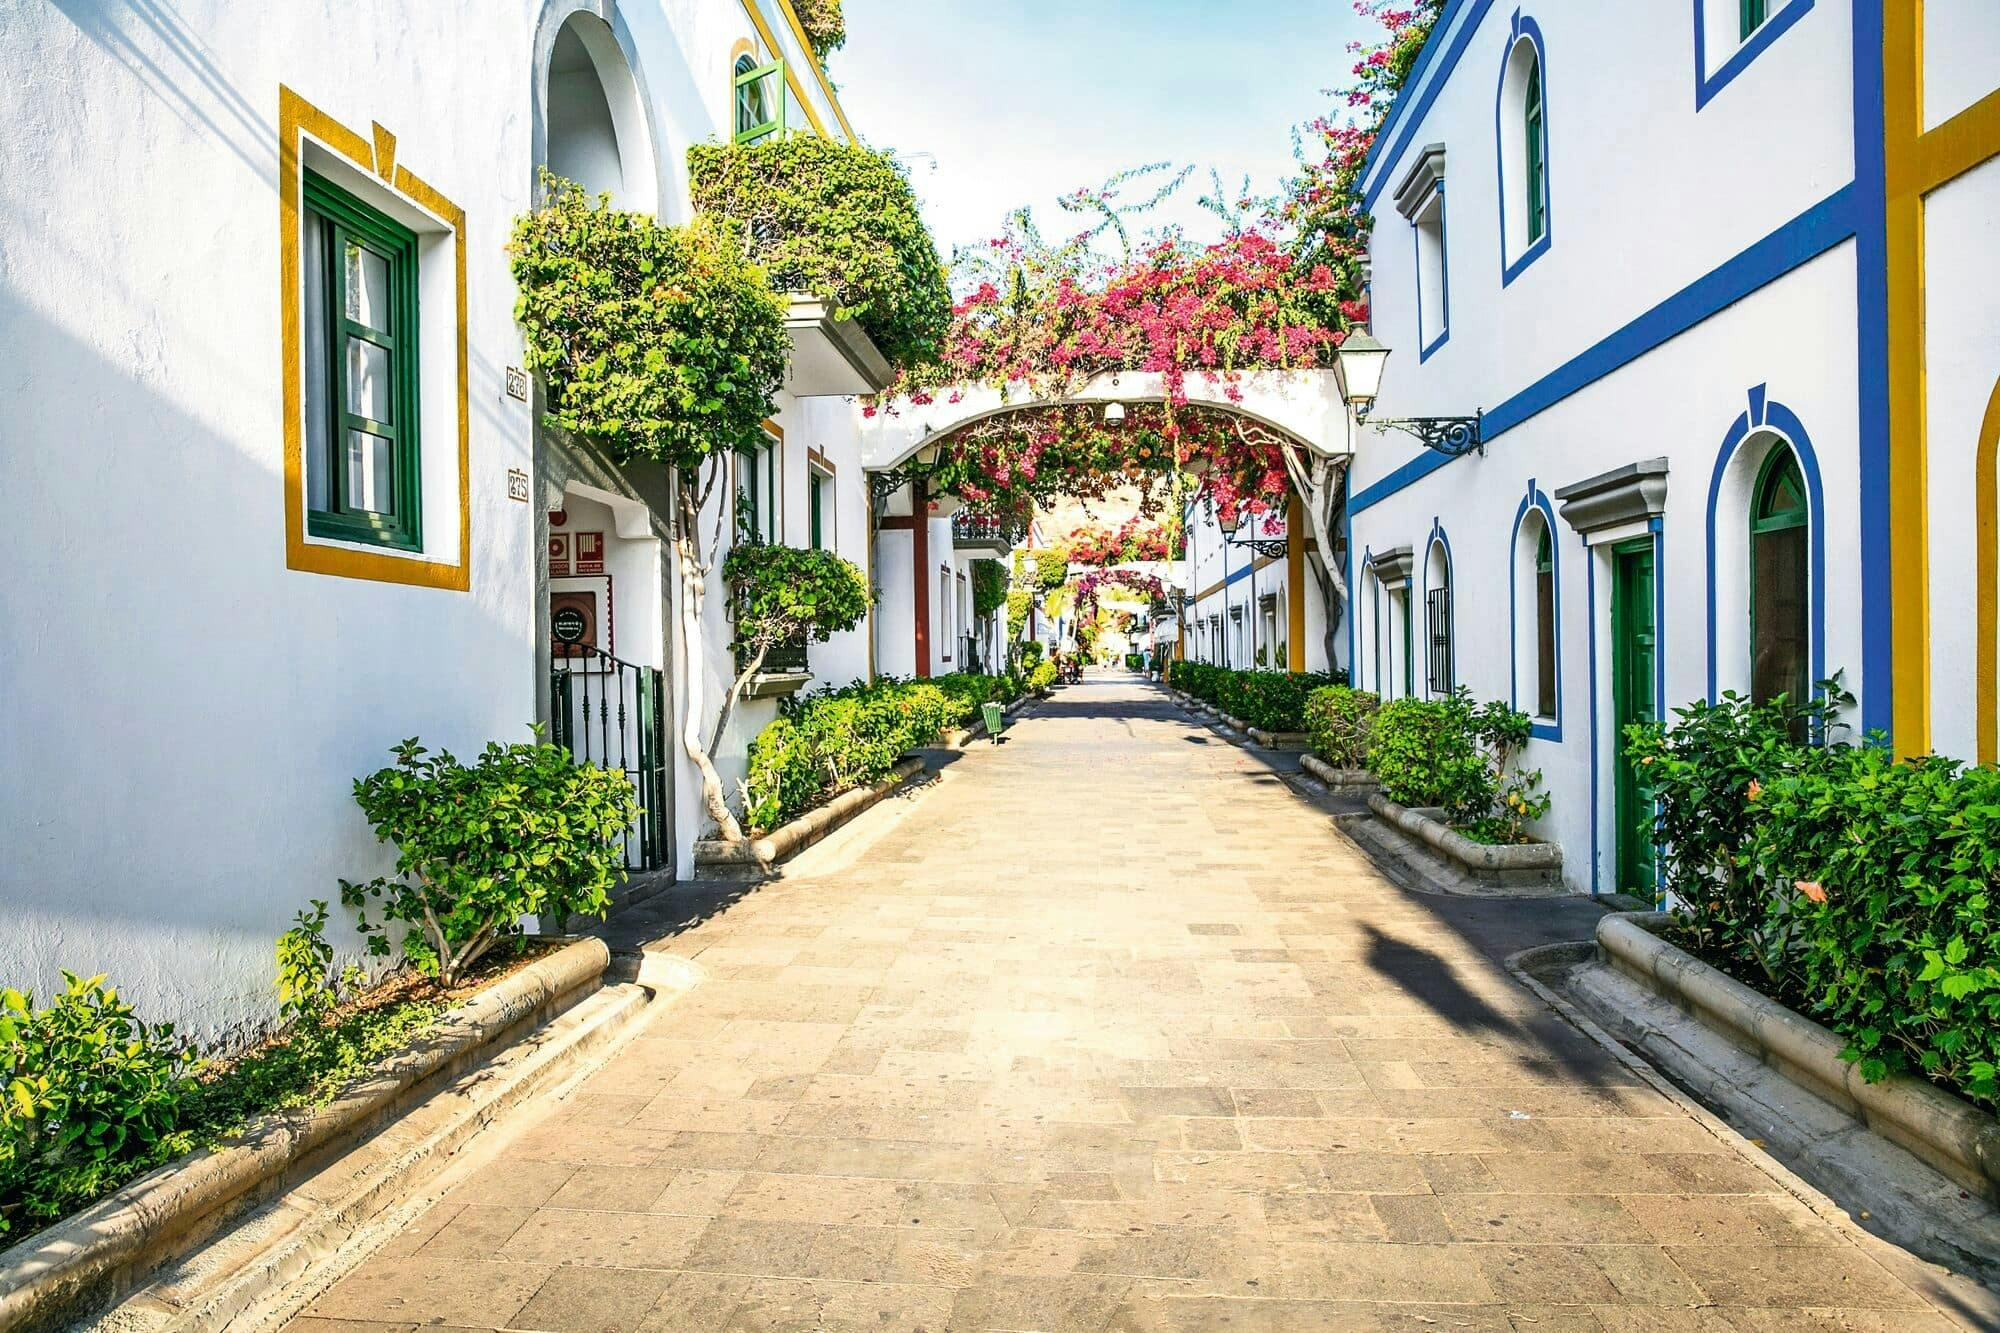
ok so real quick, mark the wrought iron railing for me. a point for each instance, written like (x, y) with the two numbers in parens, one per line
(613, 713)
(982, 530)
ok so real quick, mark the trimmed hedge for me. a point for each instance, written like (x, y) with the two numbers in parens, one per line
(1267, 700)
(1340, 720)
(833, 740)
(1855, 888)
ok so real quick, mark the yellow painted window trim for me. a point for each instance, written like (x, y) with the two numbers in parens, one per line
(298, 120)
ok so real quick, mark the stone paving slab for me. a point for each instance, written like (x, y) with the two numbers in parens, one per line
(1114, 1031)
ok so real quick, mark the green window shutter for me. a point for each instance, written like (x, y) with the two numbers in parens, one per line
(1752, 13)
(814, 494)
(1536, 173)
(761, 96)
(364, 476)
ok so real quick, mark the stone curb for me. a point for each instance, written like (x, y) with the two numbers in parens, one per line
(1953, 1135)
(267, 1275)
(104, 1250)
(1343, 779)
(1280, 740)
(1535, 862)
(793, 838)
(788, 840)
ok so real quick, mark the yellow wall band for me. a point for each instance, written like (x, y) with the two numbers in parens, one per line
(298, 118)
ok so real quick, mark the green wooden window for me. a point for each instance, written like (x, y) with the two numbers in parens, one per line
(1752, 13)
(757, 492)
(1537, 173)
(360, 330)
(816, 510)
(760, 99)
(1779, 580)
(1545, 626)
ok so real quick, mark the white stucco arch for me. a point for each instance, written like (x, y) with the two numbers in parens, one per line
(591, 124)
(1305, 404)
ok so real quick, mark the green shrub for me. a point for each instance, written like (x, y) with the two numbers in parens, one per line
(1425, 752)
(1030, 653)
(1854, 887)
(1339, 720)
(523, 830)
(1269, 700)
(824, 26)
(1042, 675)
(833, 740)
(1701, 770)
(989, 587)
(654, 342)
(88, 1093)
(781, 592)
(1458, 756)
(837, 221)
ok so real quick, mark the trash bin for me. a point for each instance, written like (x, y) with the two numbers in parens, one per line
(996, 720)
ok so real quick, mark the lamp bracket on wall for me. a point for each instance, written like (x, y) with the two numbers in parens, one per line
(1454, 437)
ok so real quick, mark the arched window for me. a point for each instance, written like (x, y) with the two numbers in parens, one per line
(760, 99)
(1438, 669)
(594, 116)
(1521, 122)
(1780, 590)
(1545, 625)
(1535, 176)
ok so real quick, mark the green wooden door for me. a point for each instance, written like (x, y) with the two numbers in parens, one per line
(1634, 652)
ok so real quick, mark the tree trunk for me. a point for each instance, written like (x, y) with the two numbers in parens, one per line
(694, 593)
(1322, 486)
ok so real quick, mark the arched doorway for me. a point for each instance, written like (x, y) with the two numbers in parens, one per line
(593, 118)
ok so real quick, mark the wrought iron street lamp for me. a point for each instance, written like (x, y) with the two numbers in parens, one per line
(1361, 358)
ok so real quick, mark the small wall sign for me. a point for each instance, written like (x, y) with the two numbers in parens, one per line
(517, 383)
(573, 622)
(517, 485)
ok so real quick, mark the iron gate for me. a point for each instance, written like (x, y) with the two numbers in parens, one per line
(612, 713)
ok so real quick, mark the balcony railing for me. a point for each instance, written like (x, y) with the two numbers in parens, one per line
(982, 530)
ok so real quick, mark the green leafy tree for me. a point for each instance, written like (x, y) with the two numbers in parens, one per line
(780, 594)
(654, 343)
(837, 221)
(824, 25)
(523, 829)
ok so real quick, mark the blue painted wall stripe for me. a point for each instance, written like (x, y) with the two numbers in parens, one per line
(1806, 237)
(1406, 118)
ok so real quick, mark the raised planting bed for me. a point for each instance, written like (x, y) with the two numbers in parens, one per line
(1957, 1138)
(1280, 740)
(1340, 779)
(84, 1262)
(1517, 865)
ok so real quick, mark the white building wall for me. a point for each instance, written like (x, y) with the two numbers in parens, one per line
(190, 713)
(1647, 198)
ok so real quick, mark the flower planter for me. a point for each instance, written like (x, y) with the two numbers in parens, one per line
(94, 1257)
(1947, 1132)
(1520, 864)
(714, 857)
(1340, 779)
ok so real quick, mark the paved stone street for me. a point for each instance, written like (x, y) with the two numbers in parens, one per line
(1114, 1030)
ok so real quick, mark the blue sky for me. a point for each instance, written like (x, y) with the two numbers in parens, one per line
(1018, 101)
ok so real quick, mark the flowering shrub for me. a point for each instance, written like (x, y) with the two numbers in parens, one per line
(1134, 540)
(1339, 721)
(1088, 586)
(836, 221)
(1853, 887)
(1321, 207)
